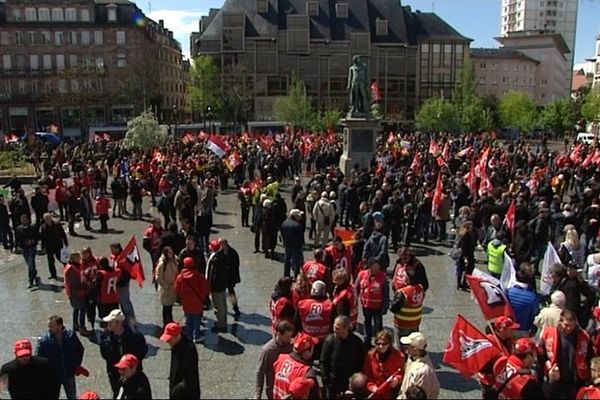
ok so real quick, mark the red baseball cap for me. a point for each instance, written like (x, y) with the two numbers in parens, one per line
(127, 361)
(89, 395)
(171, 330)
(188, 262)
(524, 346)
(214, 245)
(304, 342)
(23, 348)
(300, 387)
(503, 322)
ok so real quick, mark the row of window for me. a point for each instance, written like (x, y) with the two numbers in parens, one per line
(506, 66)
(58, 14)
(48, 86)
(506, 81)
(20, 63)
(59, 38)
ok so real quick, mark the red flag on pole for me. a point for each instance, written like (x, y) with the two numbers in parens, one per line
(437, 196)
(509, 219)
(468, 350)
(490, 297)
(464, 152)
(575, 155)
(415, 166)
(391, 138)
(434, 149)
(347, 235)
(130, 261)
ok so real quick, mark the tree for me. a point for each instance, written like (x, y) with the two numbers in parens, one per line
(437, 115)
(591, 106)
(517, 110)
(321, 121)
(238, 95)
(205, 88)
(558, 116)
(144, 132)
(471, 110)
(295, 108)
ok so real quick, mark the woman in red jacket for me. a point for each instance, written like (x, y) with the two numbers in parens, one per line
(300, 290)
(381, 363)
(76, 292)
(192, 288)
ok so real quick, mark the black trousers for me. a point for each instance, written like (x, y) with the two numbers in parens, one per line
(52, 254)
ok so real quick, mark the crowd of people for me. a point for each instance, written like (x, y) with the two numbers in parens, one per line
(473, 194)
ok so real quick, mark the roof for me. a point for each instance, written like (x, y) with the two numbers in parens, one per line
(578, 81)
(501, 54)
(558, 39)
(431, 26)
(112, 2)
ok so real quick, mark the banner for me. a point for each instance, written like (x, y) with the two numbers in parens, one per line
(130, 261)
(550, 258)
(508, 278)
(509, 219)
(490, 297)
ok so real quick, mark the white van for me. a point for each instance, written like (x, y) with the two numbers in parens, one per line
(585, 137)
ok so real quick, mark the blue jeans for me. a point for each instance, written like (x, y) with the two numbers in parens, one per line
(192, 326)
(125, 301)
(29, 256)
(372, 320)
(293, 261)
(70, 387)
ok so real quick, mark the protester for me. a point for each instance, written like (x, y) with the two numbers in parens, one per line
(292, 232)
(372, 289)
(524, 303)
(314, 316)
(26, 238)
(76, 291)
(193, 289)
(384, 367)
(281, 343)
(419, 369)
(288, 367)
(165, 277)
(184, 376)
(53, 239)
(550, 315)
(281, 306)
(134, 384)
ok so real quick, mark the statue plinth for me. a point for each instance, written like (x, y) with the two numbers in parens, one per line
(359, 142)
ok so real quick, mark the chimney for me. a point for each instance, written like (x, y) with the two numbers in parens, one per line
(170, 34)
(161, 23)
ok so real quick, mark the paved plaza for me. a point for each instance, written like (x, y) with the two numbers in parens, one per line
(227, 361)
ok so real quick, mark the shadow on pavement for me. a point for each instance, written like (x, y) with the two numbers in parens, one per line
(454, 381)
(51, 287)
(85, 237)
(255, 319)
(224, 213)
(427, 310)
(250, 336)
(152, 350)
(421, 251)
(223, 226)
(149, 329)
(225, 346)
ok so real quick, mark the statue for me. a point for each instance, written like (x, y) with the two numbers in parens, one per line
(357, 85)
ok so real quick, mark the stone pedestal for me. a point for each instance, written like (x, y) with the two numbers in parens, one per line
(360, 135)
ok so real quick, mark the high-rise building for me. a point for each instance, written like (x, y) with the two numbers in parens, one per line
(596, 61)
(544, 16)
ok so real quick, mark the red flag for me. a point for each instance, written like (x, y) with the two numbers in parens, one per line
(233, 160)
(588, 159)
(416, 164)
(446, 152)
(471, 180)
(483, 160)
(575, 155)
(391, 138)
(485, 186)
(509, 219)
(437, 196)
(375, 91)
(347, 235)
(464, 152)
(490, 297)
(434, 149)
(130, 261)
(468, 350)
(596, 158)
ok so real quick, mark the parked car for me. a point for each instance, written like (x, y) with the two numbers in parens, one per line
(585, 137)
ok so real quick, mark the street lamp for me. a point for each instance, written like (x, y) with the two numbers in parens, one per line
(209, 115)
(175, 118)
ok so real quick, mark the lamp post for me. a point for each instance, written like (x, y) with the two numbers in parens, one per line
(209, 115)
(175, 118)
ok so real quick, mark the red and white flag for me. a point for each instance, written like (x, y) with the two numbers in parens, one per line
(468, 350)
(10, 138)
(576, 155)
(509, 219)
(464, 152)
(130, 261)
(434, 148)
(416, 164)
(437, 196)
(375, 91)
(217, 146)
(391, 138)
(490, 297)
(233, 160)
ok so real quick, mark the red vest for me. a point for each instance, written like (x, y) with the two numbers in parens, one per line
(409, 316)
(400, 276)
(286, 369)
(77, 273)
(314, 271)
(108, 287)
(550, 339)
(154, 235)
(513, 389)
(277, 307)
(315, 316)
(590, 392)
(102, 206)
(349, 293)
(371, 289)
(341, 259)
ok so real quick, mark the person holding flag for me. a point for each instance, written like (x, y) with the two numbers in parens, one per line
(384, 367)
(127, 262)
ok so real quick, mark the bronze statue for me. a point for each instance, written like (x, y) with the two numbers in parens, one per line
(357, 85)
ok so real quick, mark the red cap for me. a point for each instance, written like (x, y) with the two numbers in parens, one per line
(22, 348)
(127, 361)
(89, 395)
(304, 342)
(524, 346)
(300, 387)
(214, 245)
(188, 262)
(596, 313)
(171, 330)
(503, 322)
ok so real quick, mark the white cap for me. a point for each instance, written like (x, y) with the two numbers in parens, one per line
(318, 288)
(115, 315)
(415, 339)
(294, 212)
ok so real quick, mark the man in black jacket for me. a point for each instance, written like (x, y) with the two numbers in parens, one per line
(39, 203)
(133, 383)
(184, 378)
(29, 376)
(6, 234)
(53, 238)
(292, 232)
(232, 263)
(27, 237)
(120, 340)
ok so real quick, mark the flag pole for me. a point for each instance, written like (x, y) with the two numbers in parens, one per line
(393, 375)
(496, 338)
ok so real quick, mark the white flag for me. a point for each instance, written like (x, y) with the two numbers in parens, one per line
(593, 270)
(550, 258)
(509, 275)
(485, 276)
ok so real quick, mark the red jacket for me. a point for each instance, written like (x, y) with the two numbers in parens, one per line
(297, 296)
(74, 282)
(316, 316)
(372, 289)
(277, 307)
(550, 343)
(61, 191)
(192, 288)
(410, 314)
(504, 369)
(341, 258)
(108, 286)
(285, 369)
(102, 206)
(588, 392)
(379, 371)
(348, 293)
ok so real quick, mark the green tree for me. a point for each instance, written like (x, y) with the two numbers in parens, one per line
(591, 106)
(517, 110)
(143, 132)
(437, 115)
(558, 116)
(205, 85)
(239, 94)
(471, 110)
(295, 108)
(321, 121)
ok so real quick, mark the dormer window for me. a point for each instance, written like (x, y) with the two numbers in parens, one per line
(381, 26)
(112, 12)
(312, 8)
(262, 6)
(341, 10)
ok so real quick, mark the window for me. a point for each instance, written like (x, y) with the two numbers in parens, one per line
(43, 14)
(341, 10)
(18, 37)
(71, 14)
(98, 38)
(20, 63)
(57, 14)
(312, 8)
(62, 86)
(99, 62)
(34, 62)
(73, 60)
(47, 61)
(262, 6)
(60, 61)
(298, 33)
(4, 38)
(30, 14)
(360, 43)
(233, 39)
(35, 87)
(74, 85)
(46, 38)
(6, 62)
(22, 86)
(112, 13)
(85, 38)
(121, 59)
(17, 14)
(47, 86)
(120, 37)
(381, 26)
(85, 15)
(59, 38)
(72, 37)
(31, 38)
(424, 48)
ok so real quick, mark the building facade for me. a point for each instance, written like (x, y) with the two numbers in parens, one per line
(81, 63)
(411, 55)
(547, 16)
(596, 61)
